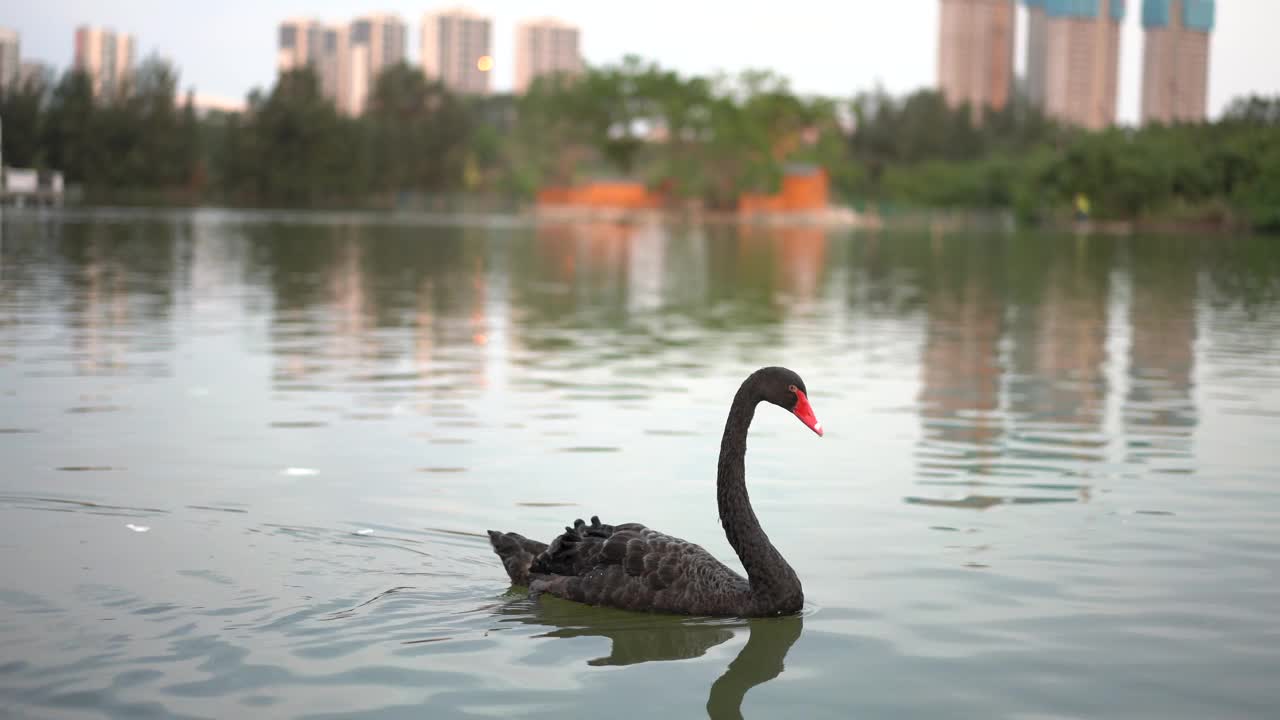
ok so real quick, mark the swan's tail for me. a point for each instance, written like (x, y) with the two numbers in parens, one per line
(517, 553)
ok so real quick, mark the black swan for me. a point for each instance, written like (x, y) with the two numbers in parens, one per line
(634, 568)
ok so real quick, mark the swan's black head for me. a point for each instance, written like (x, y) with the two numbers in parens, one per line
(784, 388)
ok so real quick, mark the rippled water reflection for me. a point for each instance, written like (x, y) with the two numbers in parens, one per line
(248, 460)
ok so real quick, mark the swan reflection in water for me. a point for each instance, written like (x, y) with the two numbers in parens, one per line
(640, 637)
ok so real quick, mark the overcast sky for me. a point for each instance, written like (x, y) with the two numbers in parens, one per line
(227, 47)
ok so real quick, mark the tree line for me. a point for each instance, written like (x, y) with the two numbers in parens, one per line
(917, 152)
(702, 139)
(146, 138)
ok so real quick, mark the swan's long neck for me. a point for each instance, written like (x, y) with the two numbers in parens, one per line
(768, 572)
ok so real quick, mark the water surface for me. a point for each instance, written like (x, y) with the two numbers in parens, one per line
(248, 460)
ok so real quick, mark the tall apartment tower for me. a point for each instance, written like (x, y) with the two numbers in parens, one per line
(975, 53)
(1073, 59)
(1036, 54)
(10, 60)
(347, 59)
(374, 43)
(544, 47)
(306, 42)
(1175, 60)
(456, 49)
(106, 57)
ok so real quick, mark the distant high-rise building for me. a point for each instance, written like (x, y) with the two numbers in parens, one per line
(545, 47)
(307, 42)
(107, 57)
(1073, 59)
(9, 58)
(298, 42)
(975, 53)
(1037, 39)
(456, 49)
(374, 43)
(1175, 60)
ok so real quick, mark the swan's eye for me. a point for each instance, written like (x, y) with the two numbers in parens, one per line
(793, 388)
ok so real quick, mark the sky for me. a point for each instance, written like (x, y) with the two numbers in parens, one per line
(224, 49)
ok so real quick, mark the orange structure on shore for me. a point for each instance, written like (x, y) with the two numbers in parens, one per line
(624, 195)
(804, 189)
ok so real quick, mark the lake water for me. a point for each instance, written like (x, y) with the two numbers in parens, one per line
(247, 461)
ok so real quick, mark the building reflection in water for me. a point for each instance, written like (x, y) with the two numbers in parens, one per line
(1159, 408)
(351, 309)
(797, 254)
(344, 293)
(99, 306)
(961, 371)
(576, 274)
(1014, 366)
(653, 279)
(1014, 369)
(120, 285)
(1069, 342)
(1057, 394)
(1014, 361)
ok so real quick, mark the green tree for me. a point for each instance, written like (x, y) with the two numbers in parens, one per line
(148, 129)
(68, 127)
(419, 133)
(189, 166)
(296, 150)
(613, 109)
(550, 139)
(22, 110)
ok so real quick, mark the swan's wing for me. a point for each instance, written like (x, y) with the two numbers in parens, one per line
(583, 548)
(633, 567)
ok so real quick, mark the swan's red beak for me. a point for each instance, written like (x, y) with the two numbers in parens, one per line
(805, 413)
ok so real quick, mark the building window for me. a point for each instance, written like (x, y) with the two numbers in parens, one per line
(360, 32)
